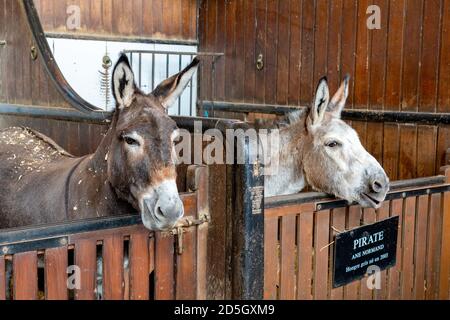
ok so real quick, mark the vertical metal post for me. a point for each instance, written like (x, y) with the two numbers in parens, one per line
(248, 228)
(140, 70)
(179, 99)
(153, 72)
(191, 104)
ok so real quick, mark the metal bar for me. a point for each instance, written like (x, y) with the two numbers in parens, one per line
(140, 70)
(33, 245)
(104, 118)
(179, 98)
(395, 186)
(390, 196)
(355, 114)
(96, 117)
(153, 72)
(81, 36)
(167, 65)
(218, 54)
(17, 235)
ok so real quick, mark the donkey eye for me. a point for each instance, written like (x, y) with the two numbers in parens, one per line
(131, 141)
(332, 144)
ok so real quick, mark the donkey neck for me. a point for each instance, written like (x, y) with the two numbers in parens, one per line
(91, 194)
(289, 178)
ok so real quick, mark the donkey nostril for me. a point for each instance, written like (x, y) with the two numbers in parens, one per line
(377, 186)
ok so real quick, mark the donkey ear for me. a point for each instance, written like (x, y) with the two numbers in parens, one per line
(170, 89)
(320, 104)
(337, 103)
(123, 82)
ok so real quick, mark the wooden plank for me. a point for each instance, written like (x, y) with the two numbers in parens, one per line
(270, 57)
(139, 266)
(391, 147)
(433, 247)
(260, 46)
(164, 267)
(411, 54)
(420, 248)
(409, 215)
(381, 294)
(377, 66)
(56, 274)
(193, 19)
(366, 293)
(239, 79)
(270, 258)
(320, 41)
(334, 44)
(288, 255)
(307, 85)
(444, 271)
(354, 216)
(138, 19)
(113, 267)
(86, 260)
(287, 210)
(348, 44)
(408, 152)
(283, 69)
(186, 271)
(394, 273)
(394, 55)
(321, 253)
(107, 15)
(443, 145)
(428, 81)
(305, 255)
(2, 274)
(374, 142)
(295, 52)
(25, 276)
(362, 72)
(95, 15)
(426, 158)
(220, 44)
(444, 65)
(337, 226)
(202, 258)
(151, 255)
(186, 19)
(230, 52)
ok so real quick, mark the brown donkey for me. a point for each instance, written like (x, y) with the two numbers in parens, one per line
(320, 149)
(132, 169)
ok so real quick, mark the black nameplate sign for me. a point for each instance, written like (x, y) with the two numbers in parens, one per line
(358, 249)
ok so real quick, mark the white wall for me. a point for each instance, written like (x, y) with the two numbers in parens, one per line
(80, 62)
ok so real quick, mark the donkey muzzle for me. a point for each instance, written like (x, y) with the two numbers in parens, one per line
(163, 207)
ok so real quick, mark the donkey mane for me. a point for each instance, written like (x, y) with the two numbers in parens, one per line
(296, 116)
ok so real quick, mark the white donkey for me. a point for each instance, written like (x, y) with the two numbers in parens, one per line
(320, 149)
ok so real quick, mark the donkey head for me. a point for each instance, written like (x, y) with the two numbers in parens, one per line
(141, 158)
(334, 159)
